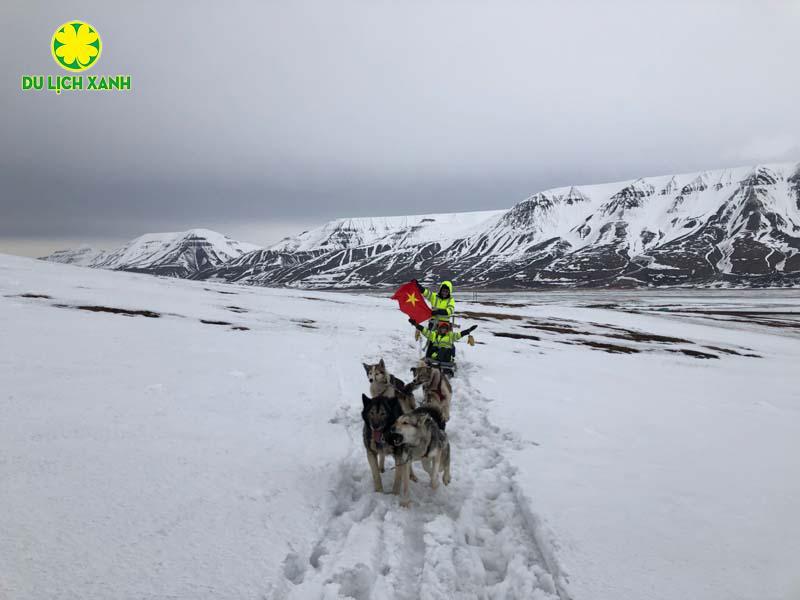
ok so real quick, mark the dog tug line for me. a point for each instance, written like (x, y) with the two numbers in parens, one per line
(393, 423)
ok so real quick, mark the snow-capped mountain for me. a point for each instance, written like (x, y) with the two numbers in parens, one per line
(345, 252)
(82, 256)
(393, 232)
(180, 254)
(739, 226)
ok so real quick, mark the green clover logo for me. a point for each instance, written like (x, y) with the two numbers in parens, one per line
(76, 46)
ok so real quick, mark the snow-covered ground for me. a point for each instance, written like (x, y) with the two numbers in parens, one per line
(605, 446)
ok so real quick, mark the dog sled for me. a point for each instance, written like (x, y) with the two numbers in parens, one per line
(441, 332)
(447, 363)
(448, 368)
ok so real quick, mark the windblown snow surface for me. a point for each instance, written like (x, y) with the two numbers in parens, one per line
(205, 444)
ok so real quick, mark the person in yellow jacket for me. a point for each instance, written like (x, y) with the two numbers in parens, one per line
(442, 302)
(441, 340)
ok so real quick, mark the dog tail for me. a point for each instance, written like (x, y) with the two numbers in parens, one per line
(434, 413)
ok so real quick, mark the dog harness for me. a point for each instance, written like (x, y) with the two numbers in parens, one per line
(438, 391)
(408, 460)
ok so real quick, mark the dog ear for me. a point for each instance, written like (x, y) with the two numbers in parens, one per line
(366, 367)
(414, 371)
(365, 399)
(382, 365)
(435, 416)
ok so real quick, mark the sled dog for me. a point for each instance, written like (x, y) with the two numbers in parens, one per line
(419, 435)
(379, 414)
(436, 388)
(383, 383)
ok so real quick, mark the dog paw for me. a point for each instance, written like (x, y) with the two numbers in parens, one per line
(379, 489)
(413, 477)
(405, 503)
(446, 480)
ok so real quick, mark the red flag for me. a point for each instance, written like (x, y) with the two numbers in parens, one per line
(412, 303)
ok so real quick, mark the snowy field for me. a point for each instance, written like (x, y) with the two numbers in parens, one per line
(606, 446)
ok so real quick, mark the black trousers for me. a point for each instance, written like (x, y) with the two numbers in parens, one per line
(442, 354)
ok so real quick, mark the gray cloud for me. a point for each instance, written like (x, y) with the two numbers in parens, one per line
(250, 114)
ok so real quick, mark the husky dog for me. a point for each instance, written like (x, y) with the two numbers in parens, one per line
(383, 383)
(436, 388)
(419, 435)
(379, 414)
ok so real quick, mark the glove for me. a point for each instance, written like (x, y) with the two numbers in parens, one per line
(413, 322)
(469, 330)
(419, 286)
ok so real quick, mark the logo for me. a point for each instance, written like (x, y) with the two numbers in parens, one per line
(76, 46)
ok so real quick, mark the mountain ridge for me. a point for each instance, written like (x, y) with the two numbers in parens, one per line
(736, 226)
(174, 254)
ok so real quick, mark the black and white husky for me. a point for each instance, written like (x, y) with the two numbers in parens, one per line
(379, 415)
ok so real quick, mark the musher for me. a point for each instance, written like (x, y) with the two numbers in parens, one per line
(442, 302)
(441, 340)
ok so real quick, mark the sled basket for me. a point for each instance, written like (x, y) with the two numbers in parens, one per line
(448, 368)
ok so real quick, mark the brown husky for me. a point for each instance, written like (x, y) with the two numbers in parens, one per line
(436, 388)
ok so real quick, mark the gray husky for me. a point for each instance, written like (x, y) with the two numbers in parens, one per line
(419, 435)
(383, 383)
(436, 388)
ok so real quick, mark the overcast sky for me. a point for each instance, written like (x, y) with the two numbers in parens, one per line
(260, 119)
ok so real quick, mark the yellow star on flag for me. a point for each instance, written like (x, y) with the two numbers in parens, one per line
(412, 299)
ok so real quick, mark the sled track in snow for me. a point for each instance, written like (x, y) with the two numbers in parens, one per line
(474, 539)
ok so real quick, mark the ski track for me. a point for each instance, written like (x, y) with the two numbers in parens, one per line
(474, 539)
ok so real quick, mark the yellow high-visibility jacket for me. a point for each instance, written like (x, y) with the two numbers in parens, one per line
(441, 341)
(447, 304)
